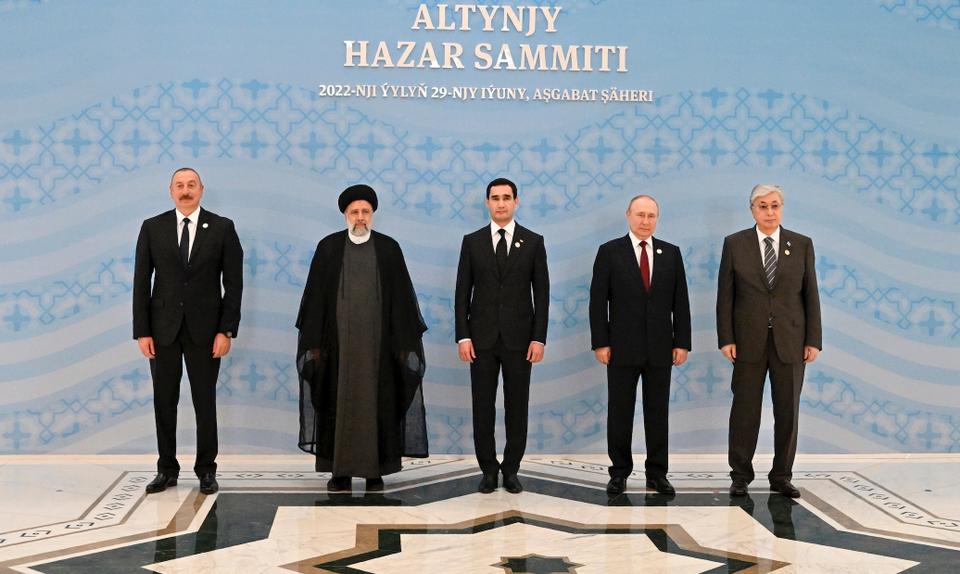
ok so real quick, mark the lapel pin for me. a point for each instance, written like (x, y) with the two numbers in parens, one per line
(517, 244)
(786, 252)
(205, 225)
(659, 251)
(788, 244)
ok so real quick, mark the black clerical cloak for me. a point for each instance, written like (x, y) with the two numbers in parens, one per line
(401, 427)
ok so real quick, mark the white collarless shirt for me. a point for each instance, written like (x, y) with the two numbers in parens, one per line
(358, 240)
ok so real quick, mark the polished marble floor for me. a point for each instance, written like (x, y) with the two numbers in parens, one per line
(876, 514)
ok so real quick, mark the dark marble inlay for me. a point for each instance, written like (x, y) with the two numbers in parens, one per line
(536, 564)
(389, 543)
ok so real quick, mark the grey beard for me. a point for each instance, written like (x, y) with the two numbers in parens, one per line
(357, 232)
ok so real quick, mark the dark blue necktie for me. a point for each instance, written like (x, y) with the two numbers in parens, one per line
(185, 242)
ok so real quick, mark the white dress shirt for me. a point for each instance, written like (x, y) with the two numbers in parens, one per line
(191, 229)
(763, 245)
(637, 251)
(508, 236)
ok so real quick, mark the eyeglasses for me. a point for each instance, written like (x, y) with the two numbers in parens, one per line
(774, 207)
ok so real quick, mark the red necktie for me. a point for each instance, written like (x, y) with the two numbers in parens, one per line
(644, 266)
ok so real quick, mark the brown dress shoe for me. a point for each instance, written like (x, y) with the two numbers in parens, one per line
(786, 488)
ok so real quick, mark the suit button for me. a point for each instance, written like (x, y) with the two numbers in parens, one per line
(185, 283)
(181, 303)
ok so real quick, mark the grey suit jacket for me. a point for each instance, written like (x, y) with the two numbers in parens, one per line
(745, 305)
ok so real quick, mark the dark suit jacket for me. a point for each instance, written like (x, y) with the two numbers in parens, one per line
(190, 293)
(487, 305)
(637, 326)
(745, 304)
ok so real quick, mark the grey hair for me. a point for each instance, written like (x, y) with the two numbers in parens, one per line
(641, 196)
(763, 189)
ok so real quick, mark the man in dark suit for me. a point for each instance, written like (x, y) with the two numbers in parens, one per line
(186, 317)
(639, 327)
(499, 325)
(768, 320)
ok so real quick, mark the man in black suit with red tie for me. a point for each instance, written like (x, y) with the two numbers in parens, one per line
(190, 315)
(501, 301)
(768, 320)
(639, 328)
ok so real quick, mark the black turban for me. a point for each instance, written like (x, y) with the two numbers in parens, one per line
(355, 192)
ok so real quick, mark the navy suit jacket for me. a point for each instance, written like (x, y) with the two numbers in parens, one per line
(639, 327)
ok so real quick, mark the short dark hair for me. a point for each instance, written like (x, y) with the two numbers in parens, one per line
(195, 172)
(502, 181)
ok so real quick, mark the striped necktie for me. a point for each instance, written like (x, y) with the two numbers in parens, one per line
(769, 261)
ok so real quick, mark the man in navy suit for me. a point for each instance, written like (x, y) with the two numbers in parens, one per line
(185, 316)
(501, 301)
(639, 328)
(768, 320)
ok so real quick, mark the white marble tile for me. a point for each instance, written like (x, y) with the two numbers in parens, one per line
(39, 490)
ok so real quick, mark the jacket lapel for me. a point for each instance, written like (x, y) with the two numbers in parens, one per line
(168, 234)
(629, 256)
(486, 248)
(200, 233)
(513, 252)
(783, 259)
(657, 263)
(756, 256)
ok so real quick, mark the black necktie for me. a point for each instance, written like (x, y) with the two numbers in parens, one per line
(769, 261)
(502, 250)
(185, 242)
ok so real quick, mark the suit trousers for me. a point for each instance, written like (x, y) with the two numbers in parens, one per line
(202, 370)
(484, 375)
(786, 382)
(621, 404)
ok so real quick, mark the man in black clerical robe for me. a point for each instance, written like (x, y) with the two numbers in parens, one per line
(360, 353)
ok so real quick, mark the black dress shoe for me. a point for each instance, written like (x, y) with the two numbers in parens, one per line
(661, 485)
(161, 482)
(339, 484)
(738, 488)
(786, 488)
(374, 484)
(512, 484)
(616, 486)
(208, 483)
(488, 483)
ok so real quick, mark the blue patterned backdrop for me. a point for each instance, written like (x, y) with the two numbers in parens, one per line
(866, 148)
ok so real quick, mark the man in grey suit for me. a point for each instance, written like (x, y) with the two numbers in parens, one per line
(768, 320)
